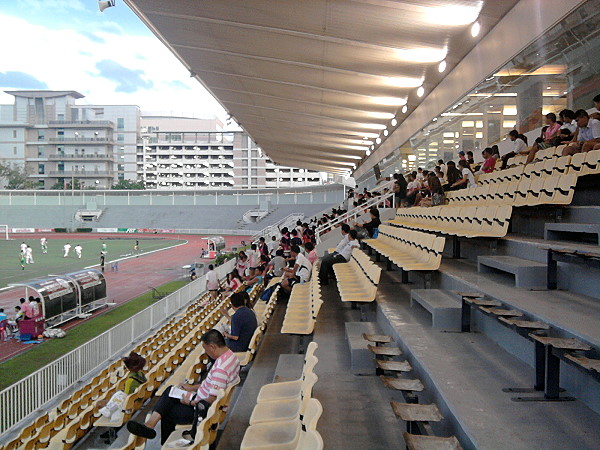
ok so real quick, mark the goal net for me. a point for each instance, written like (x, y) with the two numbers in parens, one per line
(4, 232)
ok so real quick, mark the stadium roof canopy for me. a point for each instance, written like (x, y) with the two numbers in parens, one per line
(315, 82)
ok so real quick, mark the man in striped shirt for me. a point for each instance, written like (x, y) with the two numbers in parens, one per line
(193, 404)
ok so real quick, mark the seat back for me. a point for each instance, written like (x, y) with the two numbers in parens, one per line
(312, 414)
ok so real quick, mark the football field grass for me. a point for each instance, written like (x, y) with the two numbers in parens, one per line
(54, 263)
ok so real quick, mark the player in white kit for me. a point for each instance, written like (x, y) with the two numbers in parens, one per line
(67, 249)
(23, 247)
(78, 249)
(29, 255)
(44, 244)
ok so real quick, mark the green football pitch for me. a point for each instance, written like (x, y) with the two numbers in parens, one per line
(54, 263)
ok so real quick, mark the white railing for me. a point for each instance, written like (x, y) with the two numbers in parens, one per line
(355, 212)
(269, 230)
(34, 392)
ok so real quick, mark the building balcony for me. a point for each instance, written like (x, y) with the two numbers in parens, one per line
(82, 140)
(81, 173)
(80, 123)
(81, 157)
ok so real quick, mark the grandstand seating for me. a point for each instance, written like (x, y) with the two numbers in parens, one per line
(303, 306)
(357, 279)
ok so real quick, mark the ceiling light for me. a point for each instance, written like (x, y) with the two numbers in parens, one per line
(442, 66)
(420, 91)
(475, 29)
(391, 101)
(421, 54)
(372, 147)
(380, 115)
(412, 157)
(368, 152)
(378, 140)
(404, 109)
(404, 82)
(452, 14)
(395, 122)
(385, 132)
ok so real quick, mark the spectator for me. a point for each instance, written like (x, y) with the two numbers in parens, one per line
(469, 158)
(263, 249)
(4, 329)
(549, 132)
(273, 245)
(234, 281)
(113, 408)
(26, 309)
(495, 152)
(519, 147)
(193, 404)
(19, 314)
(257, 278)
(253, 259)
(212, 282)
(567, 117)
(413, 187)
(586, 136)
(285, 239)
(434, 195)
(300, 273)
(243, 325)
(452, 176)
(467, 180)
(489, 161)
(242, 263)
(296, 239)
(311, 253)
(277, 264)
(326, 261)
(341, 255)
(596, 115)
(367, 229)
(34, 306)
(399, 189)
(461, 155)
(420, 175)
(442, 166)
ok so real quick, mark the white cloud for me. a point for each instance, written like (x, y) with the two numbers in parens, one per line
(67, 60)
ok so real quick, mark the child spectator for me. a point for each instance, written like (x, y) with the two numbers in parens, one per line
(311, 253)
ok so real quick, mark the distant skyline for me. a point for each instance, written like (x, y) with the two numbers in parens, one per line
(110, 57)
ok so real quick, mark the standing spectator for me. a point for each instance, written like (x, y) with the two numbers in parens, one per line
(273, 246)
(263, 249)
(194, 403)
(26, 309)
(399, 189)
(253, 259)
(243, 325)
(34, 307)
(212, 282)
(586, 136)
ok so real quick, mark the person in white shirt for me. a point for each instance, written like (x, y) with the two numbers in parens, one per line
(342, 256)
(587, 135)
(301, 271)
(253, 260)
(567, 117)
(420, 175)
(273, 246)
(468, 179)
(519, 147)
(44, 244)
(78, 249)
(35, 307)
(23, 247)
(29, 255)
(212, 282)
(67, 249)
(442, 166)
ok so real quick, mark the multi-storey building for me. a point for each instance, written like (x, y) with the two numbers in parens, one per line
(59, 141)
(188, 153)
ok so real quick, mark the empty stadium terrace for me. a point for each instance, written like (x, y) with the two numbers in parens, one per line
(460, 312)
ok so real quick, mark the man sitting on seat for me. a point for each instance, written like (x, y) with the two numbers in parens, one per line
(300, 273)
(586, 136)
(342, 256)
(243, 324)
(327, 260)
(194, 403)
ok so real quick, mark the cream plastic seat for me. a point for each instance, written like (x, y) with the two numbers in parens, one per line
(283, 435)
(592, 163)
(284, 409)
(576, 163)
(287, 389)
(565, 188)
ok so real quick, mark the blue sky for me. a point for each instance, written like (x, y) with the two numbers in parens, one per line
(110, 57)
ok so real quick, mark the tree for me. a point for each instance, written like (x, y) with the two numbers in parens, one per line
(62, 185)
(128, 184)
(14, 176)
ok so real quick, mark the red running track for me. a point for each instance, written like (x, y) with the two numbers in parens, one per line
(135, 276)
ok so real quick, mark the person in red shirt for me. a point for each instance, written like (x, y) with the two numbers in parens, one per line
(490, 161)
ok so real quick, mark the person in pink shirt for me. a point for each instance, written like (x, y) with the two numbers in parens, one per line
(25, 309)
(552, 129)
(311, 253)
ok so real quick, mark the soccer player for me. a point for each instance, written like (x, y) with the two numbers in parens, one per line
(78, 249)
(136, 247)
(104, 248)
(29, 255)
(22, 259)
(44, 244)
(102, 262)
(67, 249)
(23, 247)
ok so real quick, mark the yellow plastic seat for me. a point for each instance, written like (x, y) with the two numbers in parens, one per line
(287, 389)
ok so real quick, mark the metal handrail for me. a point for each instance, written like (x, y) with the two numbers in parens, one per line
(268, 230)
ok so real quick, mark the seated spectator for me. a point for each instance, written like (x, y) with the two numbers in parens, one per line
(587, 135)
(192, 405)
(113, 408)
(489, 161)
(434, 195)
(311, 253)
(442, 166)
(367, 229)
(300, 273)
(326, 261)
(452, 176)
(4, 324)
(343, 255)
(257, 278)
(284, 242)
(19, 315)
(469, 158)
(567, 117)
(242, 263)
(277, 264)
(519, 147)
(420, 176)
(412, 189)
(243, 324)
(234, 281)
(461, 155)
(467, 180)
(26, 309)
(596, 115)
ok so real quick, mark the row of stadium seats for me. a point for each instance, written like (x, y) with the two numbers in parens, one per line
(303, 306)
(467, 221)
(358, 278)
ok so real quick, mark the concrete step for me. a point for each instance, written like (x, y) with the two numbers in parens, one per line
(580, 232)
(443, 306)
(361, 359)
(528, 274)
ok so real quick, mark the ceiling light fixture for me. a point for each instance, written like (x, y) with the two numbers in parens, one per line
(390, 101)
(475, 29)
(420, 91)
(442, 66)
(385, 132)
(368, 152)
(378, 140)
(394, 122)
(404, 109)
